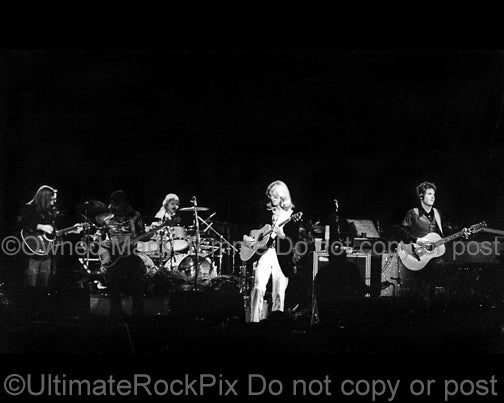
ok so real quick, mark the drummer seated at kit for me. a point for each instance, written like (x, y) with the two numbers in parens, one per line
(168, 211)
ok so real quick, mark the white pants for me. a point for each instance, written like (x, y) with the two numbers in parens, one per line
(267, 266)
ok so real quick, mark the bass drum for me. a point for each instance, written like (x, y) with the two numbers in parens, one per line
(174, 262)
(206, 270)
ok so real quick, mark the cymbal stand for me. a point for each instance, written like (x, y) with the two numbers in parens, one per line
(220, 256)
(86, 239)
(222, 239)
(172, 252)
(196, 259)
(160, 238)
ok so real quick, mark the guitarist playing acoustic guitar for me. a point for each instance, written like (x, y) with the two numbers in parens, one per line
(269, 264)
(37, 218)
(417, 223)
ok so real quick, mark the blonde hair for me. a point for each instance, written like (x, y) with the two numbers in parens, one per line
(162, 210)
(283, 192)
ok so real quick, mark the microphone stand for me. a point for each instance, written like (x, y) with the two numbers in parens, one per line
(336, 219)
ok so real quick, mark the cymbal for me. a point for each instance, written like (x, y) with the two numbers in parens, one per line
(101, 218)
(194, 208)
(92, 207)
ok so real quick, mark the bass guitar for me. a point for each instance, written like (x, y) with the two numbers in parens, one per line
(41, 243)
(261, 238)
(416, 255)
(110, 254)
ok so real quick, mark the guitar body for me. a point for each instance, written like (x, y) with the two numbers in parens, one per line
(37, 242)
(261, 238)
(415, 256)
(40, 243)
(110, 256)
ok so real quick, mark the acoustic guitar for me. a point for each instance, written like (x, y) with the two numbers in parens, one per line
(261, 238)
(41, 243)
(416, 255)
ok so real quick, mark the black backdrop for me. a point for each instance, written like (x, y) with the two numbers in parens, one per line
(365, 126)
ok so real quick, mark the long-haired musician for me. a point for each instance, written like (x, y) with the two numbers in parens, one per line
(39, 214)
(126, 276)
(269, 265)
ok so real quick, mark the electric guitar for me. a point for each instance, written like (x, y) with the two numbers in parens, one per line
(41, 243)
(109, 255)
(261, 238)
(415, 256)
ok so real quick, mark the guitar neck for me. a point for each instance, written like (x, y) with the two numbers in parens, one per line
(65, 230)
(150, 233)
(279, 225)
(449, 238)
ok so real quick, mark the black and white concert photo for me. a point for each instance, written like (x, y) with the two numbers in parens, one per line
(251, 201)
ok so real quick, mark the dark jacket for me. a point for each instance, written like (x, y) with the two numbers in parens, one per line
(283, 247)
(30, 218)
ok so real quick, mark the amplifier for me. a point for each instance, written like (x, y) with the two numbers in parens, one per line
(363, 262)
(369, 268)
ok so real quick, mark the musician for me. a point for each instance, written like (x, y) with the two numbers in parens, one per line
(417, 223)
(40, 214)
(269, 264)
(168, 210)
(126, 275)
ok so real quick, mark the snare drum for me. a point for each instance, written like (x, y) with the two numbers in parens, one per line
(179, 240)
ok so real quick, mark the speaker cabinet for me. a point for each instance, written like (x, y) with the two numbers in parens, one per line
(363, 262)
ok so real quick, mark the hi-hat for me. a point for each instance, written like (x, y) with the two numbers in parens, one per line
(194, 208)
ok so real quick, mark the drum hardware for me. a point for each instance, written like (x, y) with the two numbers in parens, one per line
(85, 209)
(222, 241)
(196, 222)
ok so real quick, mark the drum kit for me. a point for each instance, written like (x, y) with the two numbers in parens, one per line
(175, 250)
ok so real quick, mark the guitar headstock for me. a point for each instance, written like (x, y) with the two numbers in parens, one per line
(296, 217)
(477, 227)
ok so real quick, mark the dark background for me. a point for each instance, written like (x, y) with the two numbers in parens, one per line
(365, 126)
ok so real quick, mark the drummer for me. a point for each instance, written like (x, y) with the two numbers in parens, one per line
(168, 211)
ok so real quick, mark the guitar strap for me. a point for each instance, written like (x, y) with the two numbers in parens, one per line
(437, 217)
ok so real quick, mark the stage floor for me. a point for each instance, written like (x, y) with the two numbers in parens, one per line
(346, 326)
